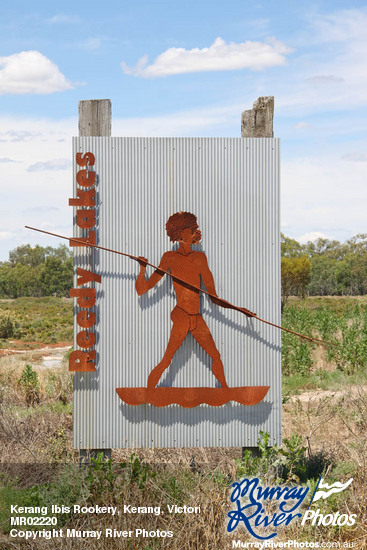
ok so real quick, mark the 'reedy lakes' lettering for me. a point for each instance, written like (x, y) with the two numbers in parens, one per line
(85, 198)
(83, 360)
(252, 514)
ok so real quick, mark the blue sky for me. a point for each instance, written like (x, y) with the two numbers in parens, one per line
(185, 69)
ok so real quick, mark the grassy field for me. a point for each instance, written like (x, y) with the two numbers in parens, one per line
(28, 322)
(324, 433)
(341, 321)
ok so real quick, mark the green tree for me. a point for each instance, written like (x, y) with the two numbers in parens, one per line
(37, 271)
(356, 265)
(323, 280)
(327, 259)
(26, 255)
(56, 276)
(336, 268)
(295, 277)
(291, 248)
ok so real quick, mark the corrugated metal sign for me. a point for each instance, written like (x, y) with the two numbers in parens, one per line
(232, 186)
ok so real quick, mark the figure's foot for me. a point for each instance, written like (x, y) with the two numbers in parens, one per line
(153, 379)
(151, 384)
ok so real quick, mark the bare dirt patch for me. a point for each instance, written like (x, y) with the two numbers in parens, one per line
(45, 357)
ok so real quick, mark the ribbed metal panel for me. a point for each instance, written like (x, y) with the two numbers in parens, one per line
(232, 185)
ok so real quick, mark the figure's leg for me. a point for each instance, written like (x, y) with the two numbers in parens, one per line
(202, 335)
(181, 324)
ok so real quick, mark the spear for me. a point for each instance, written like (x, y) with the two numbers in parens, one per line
(216, 299)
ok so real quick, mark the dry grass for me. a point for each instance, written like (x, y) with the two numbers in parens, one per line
(35, 443)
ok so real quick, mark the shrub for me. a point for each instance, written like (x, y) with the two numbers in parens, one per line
(29, 381)
(281, 464)
(9, 326)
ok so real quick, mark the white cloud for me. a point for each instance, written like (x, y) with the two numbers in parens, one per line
(6, 160)
(10, 135)
(55, 164)
(312, 236)
(319, 195)
(191, 123)
(329, 70)
(325, 79)
(355, 157)
(64, 19)
(341, 26)
(220, 56)
(30, 72)
(37, 196)
(91, 44)
(39, 209)
(5, 235)
(303, 124)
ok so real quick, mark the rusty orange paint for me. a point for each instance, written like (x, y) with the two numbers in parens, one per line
(85, 276)
(86, 297)
(86, 218)
(82, 361)
(192, 397)
(85, 339)
(84, 198)
(191, 266)
(86, 319)
(82, 159)
(86, 179)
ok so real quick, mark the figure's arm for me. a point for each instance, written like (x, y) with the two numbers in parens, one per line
(208, 281)
(142, 285)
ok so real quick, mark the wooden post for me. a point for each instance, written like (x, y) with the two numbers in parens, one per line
(258, 123)
(95, 117)
(94, 120)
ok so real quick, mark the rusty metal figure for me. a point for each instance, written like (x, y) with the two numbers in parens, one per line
(186, 264)
(189, 265)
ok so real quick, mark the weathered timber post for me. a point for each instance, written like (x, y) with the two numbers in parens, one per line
(258, 123)
(95, 117)
(94, 120)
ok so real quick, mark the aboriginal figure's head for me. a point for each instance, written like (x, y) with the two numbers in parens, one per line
(183, 227)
